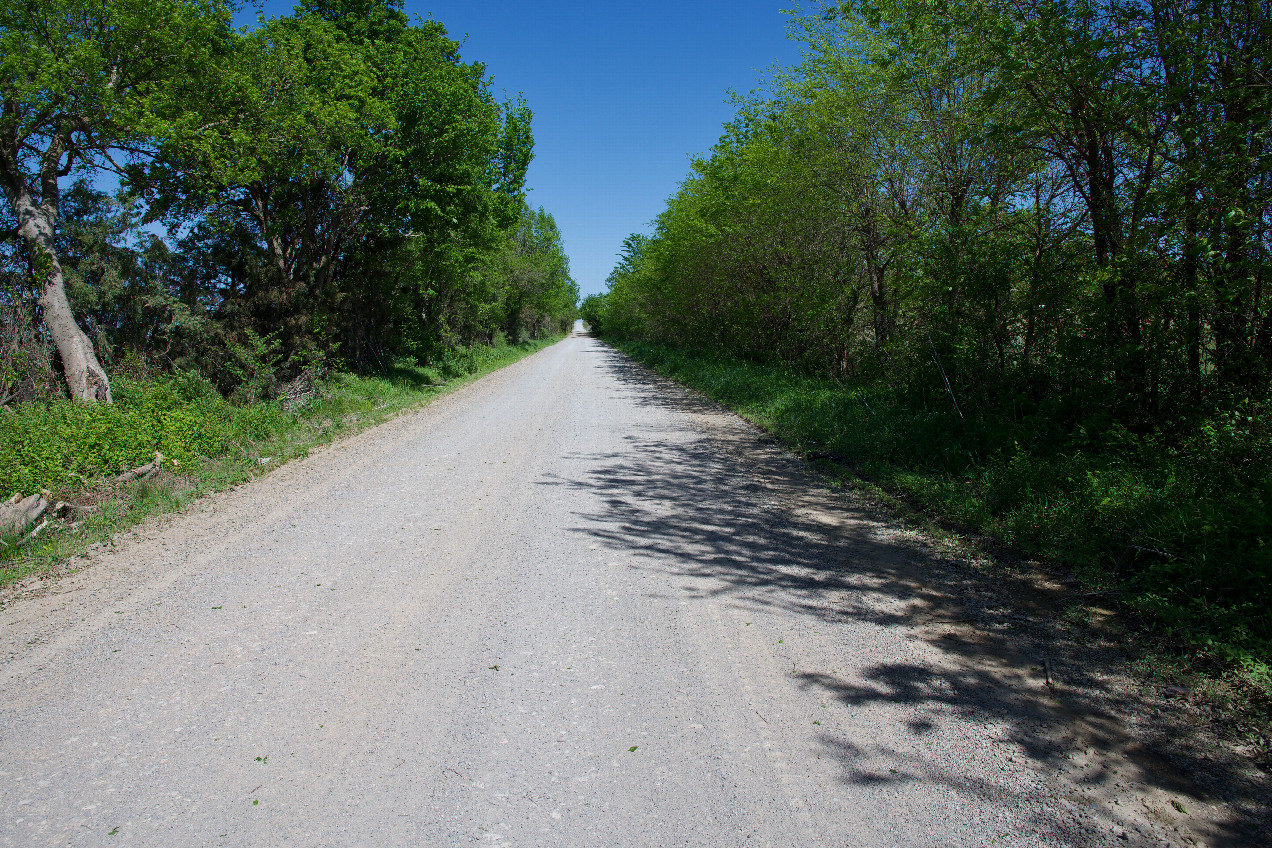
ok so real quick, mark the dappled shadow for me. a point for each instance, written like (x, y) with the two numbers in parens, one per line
(401, 374)
(726, 507)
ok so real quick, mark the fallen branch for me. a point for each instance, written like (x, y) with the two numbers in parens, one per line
(1152, 551)
(35, 532)
(306, 385)
(142, 472)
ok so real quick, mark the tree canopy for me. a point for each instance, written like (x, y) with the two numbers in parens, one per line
(332, 183)
(1064, 197)
(1042, 228)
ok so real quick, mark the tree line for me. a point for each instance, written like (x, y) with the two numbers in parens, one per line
(1013, 257)
(336, 186)
(1028, 205)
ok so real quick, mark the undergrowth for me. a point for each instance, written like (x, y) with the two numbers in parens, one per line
(1180, 529)
(74, 450)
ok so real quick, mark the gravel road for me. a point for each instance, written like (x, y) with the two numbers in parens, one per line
(568, 604)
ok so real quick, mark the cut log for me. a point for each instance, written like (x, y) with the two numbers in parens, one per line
(142, 472)
(20, 513)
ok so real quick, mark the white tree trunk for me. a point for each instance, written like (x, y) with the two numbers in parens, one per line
(85, 377)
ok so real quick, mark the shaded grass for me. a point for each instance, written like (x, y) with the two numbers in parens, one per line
(1178, 531)
(73, 450)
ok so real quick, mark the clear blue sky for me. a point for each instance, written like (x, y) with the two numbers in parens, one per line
(622, 93)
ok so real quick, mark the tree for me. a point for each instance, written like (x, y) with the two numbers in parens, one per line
(539, 294)
(83, 85)
(362, 170)
(286, 169)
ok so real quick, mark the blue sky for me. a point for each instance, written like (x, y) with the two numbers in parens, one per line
(622, 93)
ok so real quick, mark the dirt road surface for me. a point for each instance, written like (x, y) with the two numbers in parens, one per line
(568, 605)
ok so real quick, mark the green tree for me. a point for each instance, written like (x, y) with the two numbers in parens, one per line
(83, 83)
(361, 171)
(289, 167)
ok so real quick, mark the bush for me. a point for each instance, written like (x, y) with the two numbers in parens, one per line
(62, 444)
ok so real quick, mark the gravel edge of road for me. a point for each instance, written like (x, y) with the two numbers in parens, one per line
(1170, 738)
(41, 579)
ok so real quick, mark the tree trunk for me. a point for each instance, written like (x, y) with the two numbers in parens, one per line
(85, 377)
(1189, 269)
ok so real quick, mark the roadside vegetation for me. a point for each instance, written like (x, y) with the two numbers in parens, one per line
(75, 451)
(222, 245)
(1011, 262)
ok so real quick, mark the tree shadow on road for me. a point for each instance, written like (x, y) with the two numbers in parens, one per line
(748, 521)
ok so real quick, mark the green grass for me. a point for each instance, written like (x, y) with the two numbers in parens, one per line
(1181, 531)
(73, 450)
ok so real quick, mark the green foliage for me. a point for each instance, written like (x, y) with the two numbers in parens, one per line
(87, 86)
(1010, 259)
(366, 167)
(529, 278)
(62, 444)
(338, 181)
(1050, 199)
(593, 311)
(93, 76)
(253, 363)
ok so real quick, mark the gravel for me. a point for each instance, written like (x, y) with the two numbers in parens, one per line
(570, 604)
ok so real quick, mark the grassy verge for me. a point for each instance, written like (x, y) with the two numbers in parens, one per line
(1177, 535)
(73, 451)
